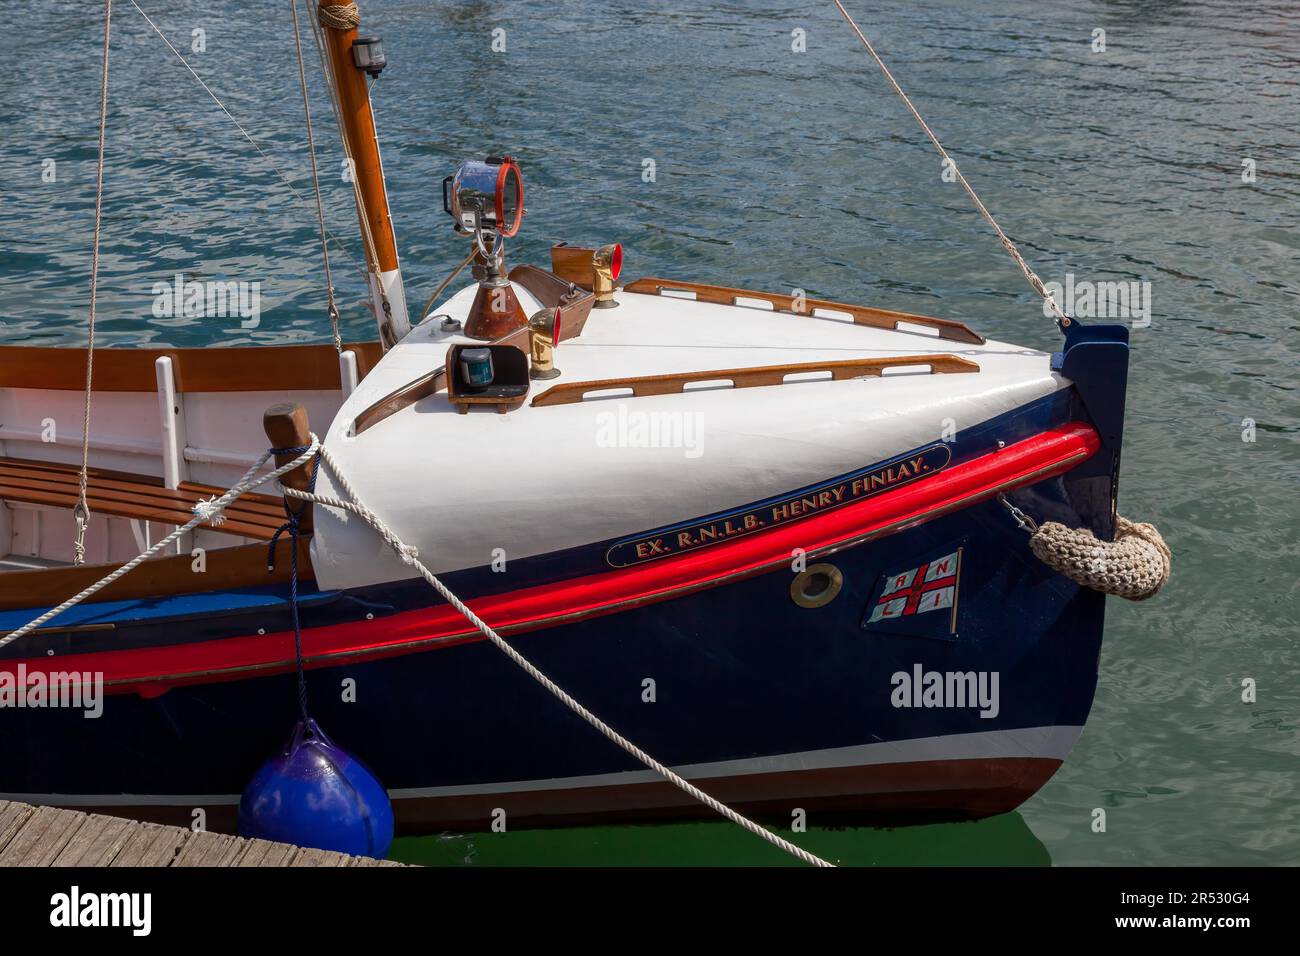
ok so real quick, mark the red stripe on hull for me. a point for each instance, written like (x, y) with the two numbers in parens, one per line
(153, 670)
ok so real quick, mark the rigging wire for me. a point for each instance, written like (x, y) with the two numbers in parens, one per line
(252, 142)
(81, 512)
(443, 285)
(315, 178)
(1030, 276)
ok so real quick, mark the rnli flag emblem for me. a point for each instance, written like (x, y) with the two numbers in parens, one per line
(914, 600)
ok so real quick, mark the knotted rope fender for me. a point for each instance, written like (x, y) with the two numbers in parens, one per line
(1135, 565)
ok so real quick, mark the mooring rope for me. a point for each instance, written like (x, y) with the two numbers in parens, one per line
(210, 511)
(81, 511)
(1030, 276)
(204, 512)
(409, 555)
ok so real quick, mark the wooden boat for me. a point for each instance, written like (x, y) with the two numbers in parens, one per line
(764, 537)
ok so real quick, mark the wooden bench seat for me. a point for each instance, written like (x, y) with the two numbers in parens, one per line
(134, 496)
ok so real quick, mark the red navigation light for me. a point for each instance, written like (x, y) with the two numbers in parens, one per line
(616, 261)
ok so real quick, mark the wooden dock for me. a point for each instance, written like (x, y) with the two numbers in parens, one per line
(49, 836)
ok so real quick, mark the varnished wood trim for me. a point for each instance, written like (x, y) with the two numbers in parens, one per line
(574, 264)
(133, 496)
(428, 384)
(673, 383)
(551, 291)
(862, 315)
(271, 368)
(226, 568)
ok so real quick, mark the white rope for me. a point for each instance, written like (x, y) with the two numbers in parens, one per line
(209, 511)
(409, 556)
(81, 513)
(1030, 276)
(204, 512)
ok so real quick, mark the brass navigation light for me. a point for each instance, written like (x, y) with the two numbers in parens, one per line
(607, 263)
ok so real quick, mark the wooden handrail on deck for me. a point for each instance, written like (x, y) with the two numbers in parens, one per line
(140, 497)
(675, 382)
(862, 315)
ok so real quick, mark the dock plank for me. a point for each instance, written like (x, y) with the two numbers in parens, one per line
(42, 837)
(258, 853)
(150, 844)
(97, 842)
(52, 836)
(12, 818)
(208, 849)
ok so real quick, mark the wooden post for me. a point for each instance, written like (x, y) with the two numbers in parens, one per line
(286, 427)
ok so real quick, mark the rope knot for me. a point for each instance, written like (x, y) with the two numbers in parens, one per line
(208, 511)
(341, 16)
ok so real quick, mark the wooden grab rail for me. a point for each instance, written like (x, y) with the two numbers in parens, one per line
(862, 315)
(675, 382)
(141, 497)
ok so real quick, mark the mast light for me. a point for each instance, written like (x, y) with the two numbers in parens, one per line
(368, 55)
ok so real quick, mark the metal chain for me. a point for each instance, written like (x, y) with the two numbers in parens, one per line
(1025, 522)
(1030, 276)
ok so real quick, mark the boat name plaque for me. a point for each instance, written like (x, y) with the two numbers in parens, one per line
(772, 512)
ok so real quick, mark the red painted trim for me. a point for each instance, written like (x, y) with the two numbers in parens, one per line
(153, 670)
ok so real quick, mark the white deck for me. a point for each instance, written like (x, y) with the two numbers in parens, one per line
(541, 479)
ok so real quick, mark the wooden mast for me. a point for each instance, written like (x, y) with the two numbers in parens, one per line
(357, 126)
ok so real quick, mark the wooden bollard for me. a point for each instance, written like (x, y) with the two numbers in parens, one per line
(286, 427)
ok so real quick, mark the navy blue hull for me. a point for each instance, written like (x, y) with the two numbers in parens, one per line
(739, 672)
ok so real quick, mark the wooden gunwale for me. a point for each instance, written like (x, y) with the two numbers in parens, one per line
(272, 368)
(676, 382)
(862, 315)
(225, 568)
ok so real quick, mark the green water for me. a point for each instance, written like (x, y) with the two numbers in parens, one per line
(1004, 840)
(777, 170)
